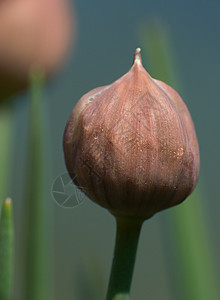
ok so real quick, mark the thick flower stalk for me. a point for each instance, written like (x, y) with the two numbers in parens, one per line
(132, 147)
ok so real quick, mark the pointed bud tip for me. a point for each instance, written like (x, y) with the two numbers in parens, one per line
(137, 57)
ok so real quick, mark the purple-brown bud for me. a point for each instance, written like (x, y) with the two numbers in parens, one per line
(131, 145)
(33, 34)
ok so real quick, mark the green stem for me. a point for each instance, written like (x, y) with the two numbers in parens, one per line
(6, 116)
(36, 273)
(192, 244)
(127, 236)
(6, 250)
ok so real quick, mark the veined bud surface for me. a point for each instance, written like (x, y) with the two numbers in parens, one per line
(132, 146)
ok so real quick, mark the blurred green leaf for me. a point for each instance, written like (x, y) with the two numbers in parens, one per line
(6, 250)
(192, 244)
(36, 277)
(157, 51)
(88, 286)
(5, 148)
(194, 253)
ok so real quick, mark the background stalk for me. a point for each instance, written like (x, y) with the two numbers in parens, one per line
(187, 224)
(127, 236)
(6, 112)
(36, 279)
(6, 250)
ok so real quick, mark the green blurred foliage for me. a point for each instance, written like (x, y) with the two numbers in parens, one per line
(6, 250)
(191, 236)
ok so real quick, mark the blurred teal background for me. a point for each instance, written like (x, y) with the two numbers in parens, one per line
(83, 237)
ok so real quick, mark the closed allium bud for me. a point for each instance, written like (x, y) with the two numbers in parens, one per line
(131, 146)
(32, 33)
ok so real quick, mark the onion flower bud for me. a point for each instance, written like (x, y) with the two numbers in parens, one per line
(131, 145)
(33, 33)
